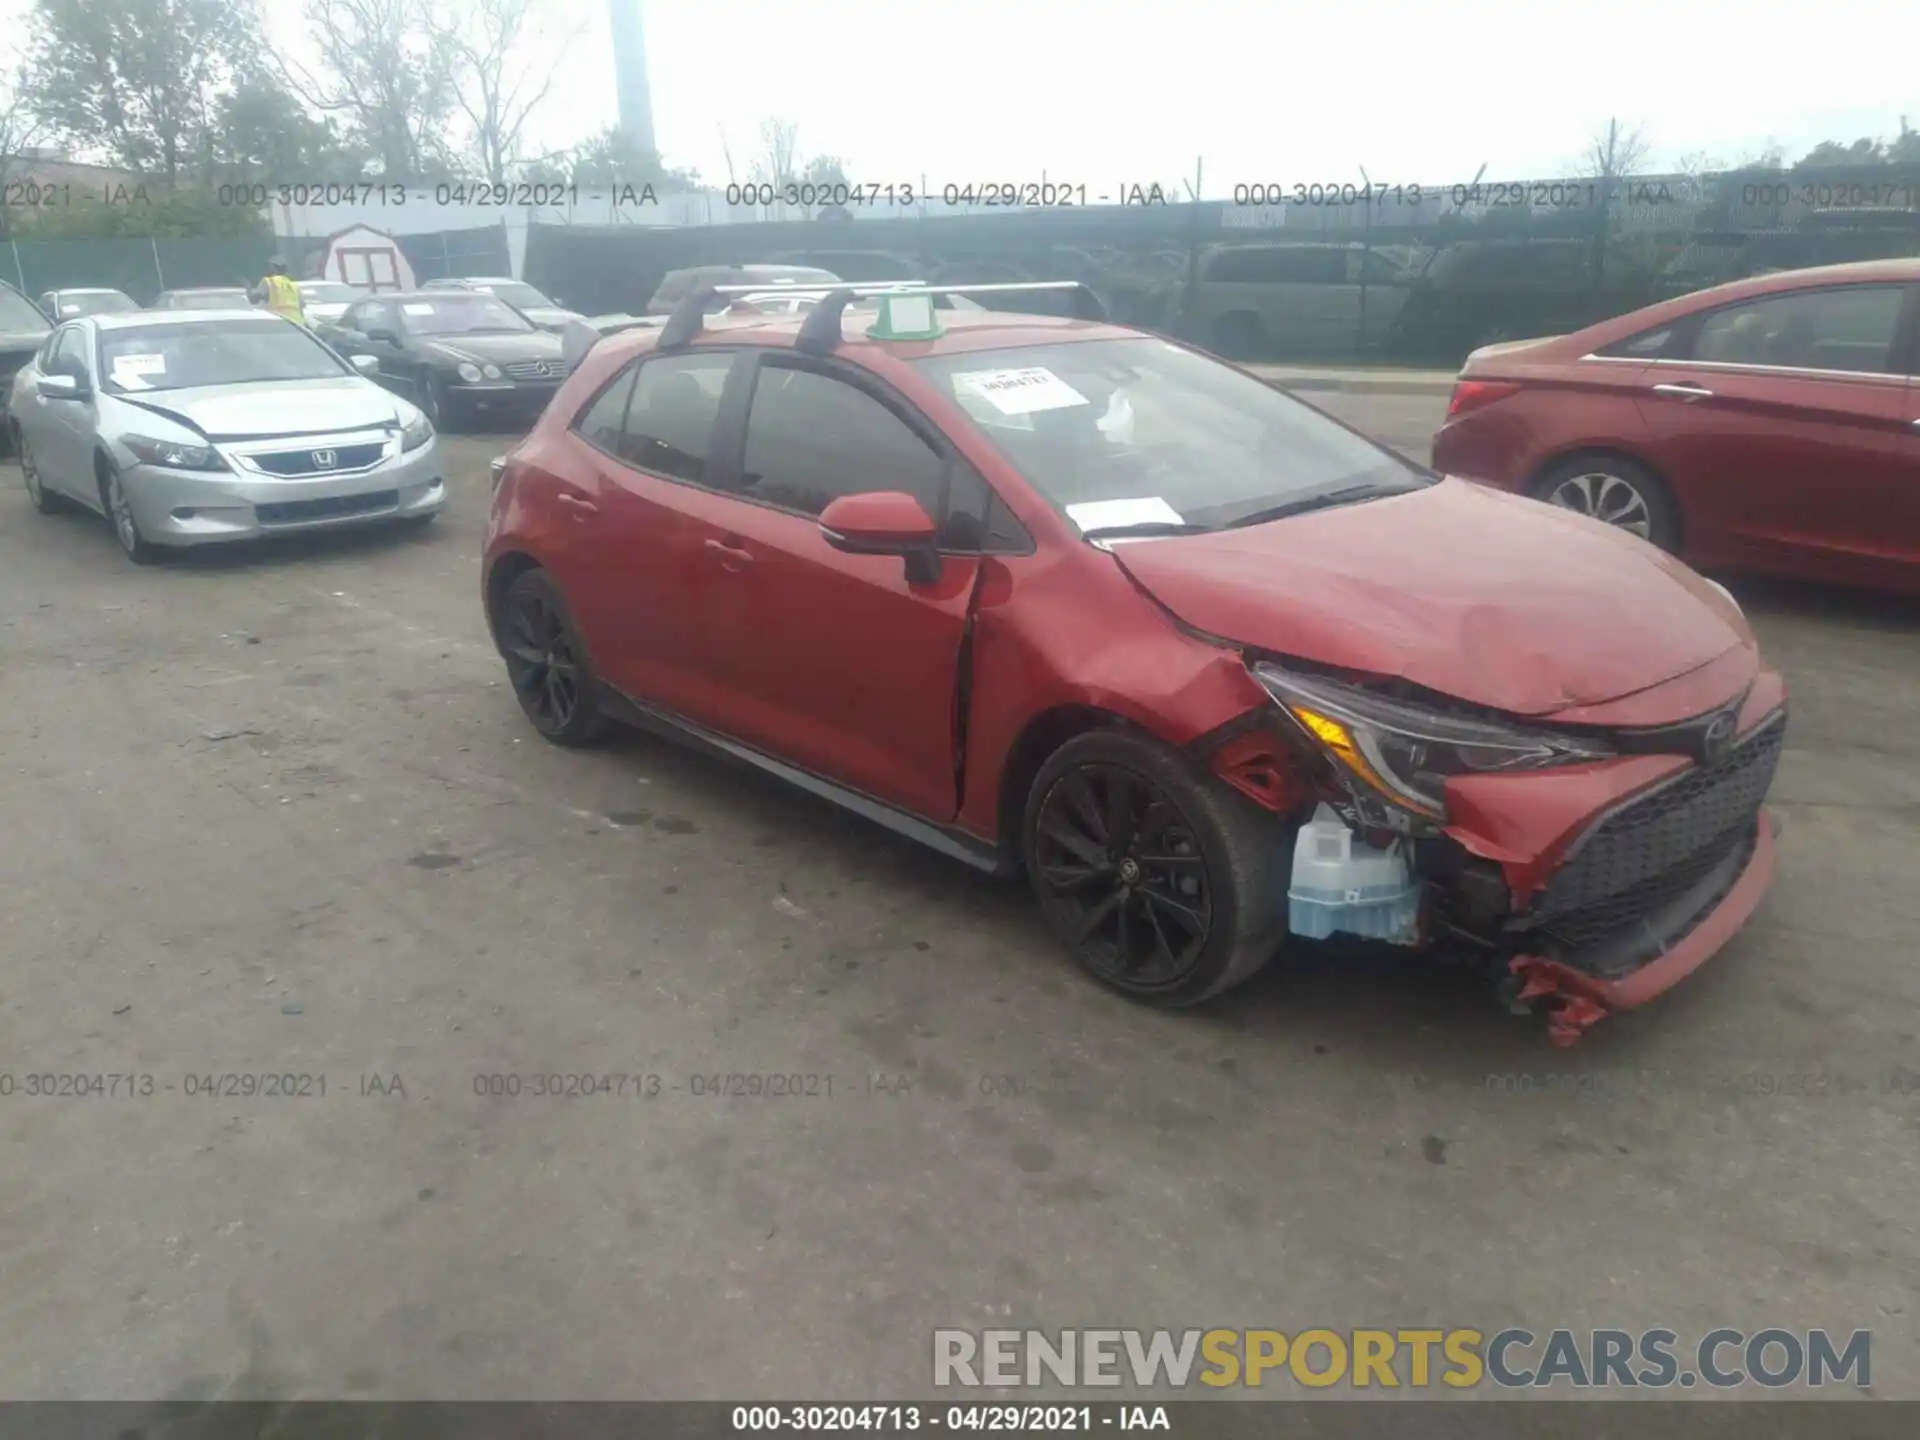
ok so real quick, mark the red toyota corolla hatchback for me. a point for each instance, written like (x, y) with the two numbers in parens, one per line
(1211, 668)
(1771, 425)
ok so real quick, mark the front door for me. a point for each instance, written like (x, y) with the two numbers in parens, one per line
(835, 663)
(1787, 431)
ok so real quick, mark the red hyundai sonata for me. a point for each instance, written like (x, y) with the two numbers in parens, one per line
(1771, 425)
(1055, 596)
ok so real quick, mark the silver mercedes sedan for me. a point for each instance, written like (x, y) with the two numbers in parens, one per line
(202, 427)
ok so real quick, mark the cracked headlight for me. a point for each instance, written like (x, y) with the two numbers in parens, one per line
(1405, 753)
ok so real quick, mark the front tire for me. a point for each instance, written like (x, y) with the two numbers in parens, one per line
(435, 403)
(1163, 883)
(1616, 490)
(126, 525)
(547, 664)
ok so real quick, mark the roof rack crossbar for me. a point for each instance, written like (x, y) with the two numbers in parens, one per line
(820, 333)
(690, 314)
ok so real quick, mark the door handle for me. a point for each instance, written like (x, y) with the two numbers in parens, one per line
(1684, 392)
(731, 557)
(580, 509)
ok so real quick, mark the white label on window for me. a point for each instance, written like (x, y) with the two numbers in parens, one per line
(417, 309)
(1021, 392)
(130, 371)
(1104, 514)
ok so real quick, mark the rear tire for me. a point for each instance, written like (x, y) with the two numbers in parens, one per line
(1614, 489)
(43, 499)
(1164, 884)
(547, 663)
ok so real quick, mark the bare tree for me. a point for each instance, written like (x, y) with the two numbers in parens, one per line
(1615, 153)
(20, 131)
(779, 160)
(507, 61)
(388, 70)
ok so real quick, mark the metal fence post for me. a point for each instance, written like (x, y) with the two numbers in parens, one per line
(159, 275)
(19, 270)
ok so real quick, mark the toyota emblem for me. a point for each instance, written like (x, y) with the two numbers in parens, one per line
(324, 459)
(1718, 737)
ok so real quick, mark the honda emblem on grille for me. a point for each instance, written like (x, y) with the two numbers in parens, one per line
(324, 459)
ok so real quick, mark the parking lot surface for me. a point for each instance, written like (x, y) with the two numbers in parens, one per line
(275, 814)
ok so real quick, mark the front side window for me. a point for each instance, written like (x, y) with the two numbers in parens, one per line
(670, 417)
(1141, 431)
(1848, 328)
(461, 312)
(812, 438)
(180, 356)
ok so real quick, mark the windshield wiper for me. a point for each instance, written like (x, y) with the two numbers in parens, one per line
(1320, 500)
(1146, 528)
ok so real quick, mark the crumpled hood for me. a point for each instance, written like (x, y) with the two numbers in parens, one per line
(497, 349)
(290, 407)
(1491, 598)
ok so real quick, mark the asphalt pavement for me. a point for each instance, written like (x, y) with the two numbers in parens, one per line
(275, 814)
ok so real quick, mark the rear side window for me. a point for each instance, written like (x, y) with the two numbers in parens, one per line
(812, 438)
(1847, 329)
(670, 416)
(1647, 345)
(604, 421)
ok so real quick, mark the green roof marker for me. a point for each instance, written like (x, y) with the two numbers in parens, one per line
(906, 315)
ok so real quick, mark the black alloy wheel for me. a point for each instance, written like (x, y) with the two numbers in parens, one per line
(1121, 864)
(547, 664)
(1161, 880)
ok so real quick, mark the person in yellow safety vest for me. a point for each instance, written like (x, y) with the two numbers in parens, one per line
(278, 292)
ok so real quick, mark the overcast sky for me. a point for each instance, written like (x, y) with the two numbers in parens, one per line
(1136, 90)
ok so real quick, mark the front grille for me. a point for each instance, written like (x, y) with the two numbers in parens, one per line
(1653, 849)
(295, 512)
(534, 370)
(316, 462)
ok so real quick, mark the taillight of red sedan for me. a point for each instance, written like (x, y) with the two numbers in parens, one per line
(1470, 395)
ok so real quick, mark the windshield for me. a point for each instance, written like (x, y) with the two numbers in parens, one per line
(17, 314)
(208, 300)
(94, 302)
(514, 293)
(458, 313)
(328, 293)
(174, 357)
(1140, 432)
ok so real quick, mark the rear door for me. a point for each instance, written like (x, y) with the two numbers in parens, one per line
(1787, 431)
(632, 545)
(835, 663)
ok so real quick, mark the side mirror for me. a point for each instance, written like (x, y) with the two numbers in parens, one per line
(61, 387)
(365, 364)
(884, 522)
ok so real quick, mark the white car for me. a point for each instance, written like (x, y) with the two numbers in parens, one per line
(207, 427)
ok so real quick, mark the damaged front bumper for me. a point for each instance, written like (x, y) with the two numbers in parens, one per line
(1666, 860)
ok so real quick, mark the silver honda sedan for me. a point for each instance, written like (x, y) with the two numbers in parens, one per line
(202, 427)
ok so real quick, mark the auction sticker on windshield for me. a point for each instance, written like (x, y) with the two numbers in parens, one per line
(1106, 514)
(130, 371)
(1021, 392)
